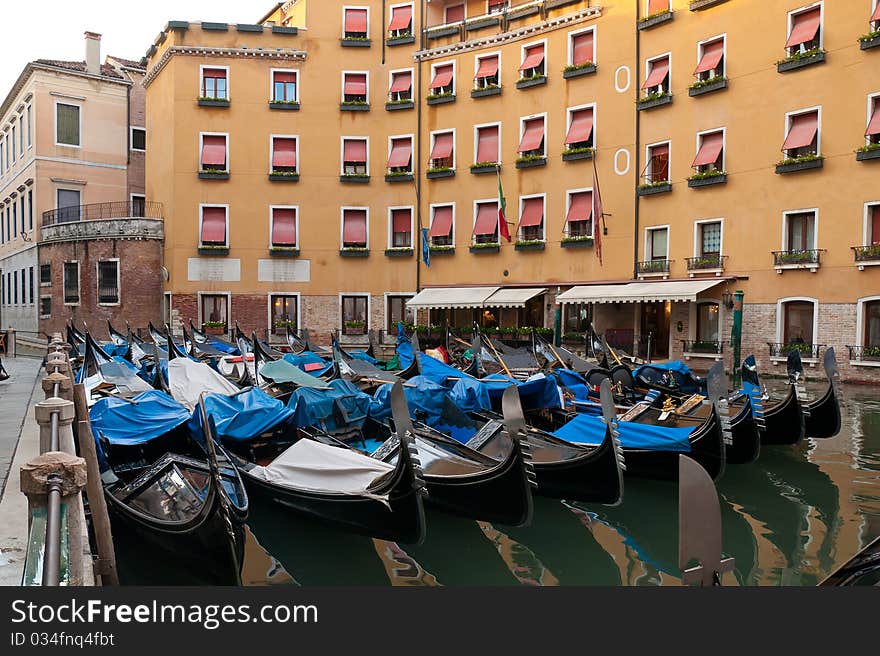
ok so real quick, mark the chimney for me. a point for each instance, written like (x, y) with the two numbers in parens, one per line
(93, 53)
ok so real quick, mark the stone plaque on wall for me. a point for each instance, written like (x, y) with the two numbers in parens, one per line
(284, 271)
(207, 268)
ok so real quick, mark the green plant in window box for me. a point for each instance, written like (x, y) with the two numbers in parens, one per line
(577, 67)
(869, 36)
(285, 173)
(812, 52)
(705, 346)
(355, 175)
(213, 99)
(483, 165)
(440, 249)
(572, 337)
(705, 262)
(437, 96)
(651, 97)
(283, 102)
(705, 175)
(645, 19)
(523, 159)
(800, 348)
(491, 244)
(867, 148)
(652, 185)
(354, 103)
(578, 151)
(402, 35)
(536, 76)
(284, 324)
(355, 324)
(355, 38)
(871, 352)
(654, 266)
(544, 332)
(699, 84)
(796, 257)
(529, 242)
(488, 87)
(397, 174)
(584, 238)
(213, 247)
(438, 169)
(402, 101)
(355, 249)
(215, 324)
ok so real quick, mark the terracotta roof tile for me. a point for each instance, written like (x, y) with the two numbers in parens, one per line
(130, 63)
(79, 66)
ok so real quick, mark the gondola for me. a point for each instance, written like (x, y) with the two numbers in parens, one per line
(217, 341)
(822, 416)
(169, 488)
(783, 420)
(156, 335)
(295, 344)
(116, 337)
(101, 374)
(862, 569)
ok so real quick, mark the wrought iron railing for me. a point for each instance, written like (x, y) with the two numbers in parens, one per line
(795, 257)
(708, 261)
(653, 266)
(782, 349)
(115, 210)
(867, 253)
(864, 353)
(702, 346)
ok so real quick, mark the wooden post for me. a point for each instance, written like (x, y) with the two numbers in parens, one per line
(106, 565)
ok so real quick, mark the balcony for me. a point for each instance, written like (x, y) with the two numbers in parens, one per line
(653, 268)
(122, 219)
(809, 352)
(709, 263)
(702, 349)
(866, 255)
(797, 259)
(866, 356)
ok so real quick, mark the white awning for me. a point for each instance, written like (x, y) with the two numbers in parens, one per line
(513, 297)
(451, 297)
(637, 292)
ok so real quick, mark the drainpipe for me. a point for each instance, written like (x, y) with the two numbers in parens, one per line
(736, 335)
(418, 167)
(384, 32)
(638, 150)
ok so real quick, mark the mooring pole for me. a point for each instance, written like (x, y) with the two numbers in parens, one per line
(736, 335)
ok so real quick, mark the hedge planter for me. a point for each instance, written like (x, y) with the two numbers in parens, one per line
(530, 247)
(441, 100)
(482, 170)
(398, 252)
(800, 166)
(399, 178)
(532, 163)
(493, 248)
(355, 43)
(245, 27)
(708, 88)
(516, 14)
(570, 157)
(393, 107)
(217, 250)
(655, 189)
(354, 179)
(867, 44)
(213, 103)
(354, 252)
(436, 251)
(207, 175)
(280, 29)
(481, 23)
(434, 175)
(292, 106)
(218, 27)
(665, 99)
(577, 243)
(280, 251)
(343, 107)
(794, 64)
(706, 182)
(578, 72)
(696, 5)
(483, 93)
(652, 21)
(862, 155)
(532, 82)
(282, 177)
(400, 41)
(452, 30)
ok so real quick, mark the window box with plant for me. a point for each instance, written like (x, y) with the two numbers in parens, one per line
(870, 253)
(214, 327)
(529, 245)
(354, 106)
(486, 247)
(349, 41)
(441, 249)
(284, 175)
(577, 241)
(706, 178)
(479, 168)
(653, 267)
(355, 327)
(801, 59)
(440, 98)
(354, 251)
(706, 262)
(213, 249)
(657, 18)
(574, 338)
(807, 258)
(284, 251)
(697, 5)
(531, 81)
(398, 38)
(709, 85)
(577, 152)
(399, 251)
(355, 178)
(530, 161)
(208, 101)
(402, 103)
(869, 151)
(655, 99)
(481, 22)
(658, 187)
(398, 176)
(488, 90)
(211, 173)
(284, 104)
(435, 172)
(280, 327)
(870, 40)
(578, 70)
(800, 163)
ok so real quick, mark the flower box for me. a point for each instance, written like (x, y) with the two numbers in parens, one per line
(354, 252)
(862, 155)
(802, 165)
(400, 41)
(650, 190)
(398, 177)
(441, 99)
(284, 251)
(654, 100)
(290, 106)
(439, 33)
(870, 42)
(398, 252)
(433, 174)
(701, 88)
(213, 250)
(578, 71)
(706, 181)
(576, 242)
(213, 102)
(354, 328)
(359, 178)
(219, 27)
(284, 177)
(441, 250)
(483, 93)
(696, 5)
(529, 246)
(354, 107)
(355, 43)
(480, 23)
(485, 248)
(529, 162)
(553, 4)
(516, 13)
(281, 29)
(799, 61)
(657, 19)
(528, 83)
(214, 330)
(247, 27)
(577, 153)
(213, 175)
(394, 106)
(481, 168)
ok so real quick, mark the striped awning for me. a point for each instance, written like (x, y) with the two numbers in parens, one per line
(451, 297)
(513, 297)
(638, 292)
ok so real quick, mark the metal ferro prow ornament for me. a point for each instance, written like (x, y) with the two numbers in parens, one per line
(716, 388)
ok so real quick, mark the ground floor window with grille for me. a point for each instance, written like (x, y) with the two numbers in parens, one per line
(354, 315)
(215, 310)
(108, 282)
(45, 307)
(71, 283)
(797, 325)
(397, 312)
(284, 312)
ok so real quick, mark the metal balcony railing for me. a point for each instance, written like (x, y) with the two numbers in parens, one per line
(864, 353)
(115, 210)
(708, 261)
(866, 253)
(653, 266)
(702, 346)
(797, 257)
(782, 349)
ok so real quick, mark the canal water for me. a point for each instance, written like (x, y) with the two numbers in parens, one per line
(790, 518)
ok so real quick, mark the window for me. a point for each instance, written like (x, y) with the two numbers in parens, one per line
(710, 238)
(29, 125)
(354, 315)
(442, 151)
(800, 231)
(657, 169)
(453, 14)
(284, 155)
(2, 157)
(354, 228)
(138, 205)
(31, 285)
(21, 134)
(580, 129)
(443, 80)
(488, 142)
(354, 88)
(442, 222)
(707, 322)
(875, 17)
(355, 23)
(401, 21)
(656, 6)
(710, 152)
(531, 218)
(804, 30)
(284, 227)
(497, 6)
(486, 222)
(213, 230)
(45, 275)
(872, 229)
(108, 282)
(487, 76)
(68, 203)
(45, 307)
(871, 313)
(577, 317)
(797, 322)
(400, 154)
(396, 312)
(13, 142)
(354, 156)
(22, 213)
(532, 141)
(532, 61)
(401, 227)
(579, 218)
(285, 310)
(711, 64)
(15, 288)
(658, 76)
(215, 309)
(803, 134)
(214, 84)
(139, 139)
(214, 157)
(284, 86)
(30, 209)
(582, 48)
(14, 217)
(66, 126)
(71, 283)
(658, 243)
(400, 89)
(872, 133)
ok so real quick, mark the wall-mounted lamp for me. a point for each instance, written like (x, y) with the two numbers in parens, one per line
(727, 299)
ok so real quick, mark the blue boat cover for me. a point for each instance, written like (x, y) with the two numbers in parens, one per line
(540, 392)
(304, 358)
(363, 355)
(327, 408)
(404, 351)
(225, 348)
(672, 365)
(470, 395)
(147, 416)
(242, 416)
(590, 429)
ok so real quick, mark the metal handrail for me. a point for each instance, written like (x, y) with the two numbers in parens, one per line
(794, 257)
(781, 349)
(96, 211)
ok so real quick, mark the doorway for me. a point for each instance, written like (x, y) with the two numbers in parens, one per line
(655, 324)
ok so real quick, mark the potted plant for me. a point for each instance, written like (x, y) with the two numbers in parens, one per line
(215, 327)
(705, 178)
(354, 327)
(800, 59)
(869, 40)
(705, 86)
(576, 70)
(281, 326)
(528, 161)
(654, 99)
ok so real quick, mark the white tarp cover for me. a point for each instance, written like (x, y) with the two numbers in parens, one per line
(188, 379)
(451, 297)
(310, 465)
(231, 365)
(513, 297)
(637, 292)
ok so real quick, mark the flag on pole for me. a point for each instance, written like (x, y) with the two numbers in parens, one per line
(598, 221)
(502, 208)
(426, 250)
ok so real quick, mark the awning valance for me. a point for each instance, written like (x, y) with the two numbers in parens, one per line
(638, 292)
(451, 297)
(513, 297)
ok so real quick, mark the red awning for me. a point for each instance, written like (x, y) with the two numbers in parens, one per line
(284, 151)
(213, 150)
(581, 126)
(876, 15)
(803, 130)
(356, 20)
(657, 6)
(354, 150)
(487, 219)
(284, 227)
(874, 123)
(534, 57)
(532, 212)
(442, 146)
(487, 144)
(401, 82)
(712, 54)
(581, 208)
(285, 76)
(442, 76)
(804, 27)
(533, 135)
(214, 73)
(710, 148)
(442, 223)
(659, 70)
(355, 84)
(401, 221)
(401, 17)
(401, 153)
(455, 14)
(582, 48)
(213, 225)
(488, 67)
(354, 227)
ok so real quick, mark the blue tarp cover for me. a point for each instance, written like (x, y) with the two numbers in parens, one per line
(304, 358)
(540, 392)
(242, 416)
(672, 365)
(315, 407)
(146, 417)
(590, 429)
(363, 355)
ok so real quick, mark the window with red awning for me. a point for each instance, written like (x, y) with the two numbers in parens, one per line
(354, 228)
(454, 14)
(401, 20)
(533, 61)
(441, 153)
(284, 153)
(401, 228)
(580, 213)
(442, 82)
(355, 86)
(873, 131)
(401, 85)
(582, 49)
(531, 221)
(580, 131)
(354, 156)
(213, 152)
(658, 163)
(496, 6)
(400, 157)
(487, 72)
(710, 63)
(441, 226)
(486, 224)
(532, 141)
(876, 15)
(804, 33)
(283, 226)
(709, 155)
(487, 144)
(657, 6)
(213, 226)
(802, 135)
(355, 23)
(657, 78)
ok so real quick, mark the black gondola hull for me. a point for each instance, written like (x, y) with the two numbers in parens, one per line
(822, 417)
(592, 477)
(745, 446)
(784, 421)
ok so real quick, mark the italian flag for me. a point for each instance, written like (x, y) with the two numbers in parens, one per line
(502, 207)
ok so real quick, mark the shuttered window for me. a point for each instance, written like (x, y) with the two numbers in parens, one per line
(213, 229)
(803, 135)
(658, 76)
(354, 156)
(487, 144)
(213, 156)
(66, 125)
(401, 21)
(580, 213)
(355, 26)
(354, 228)
(401, 228)
(583, 49)
(284, 154)
(658, 164)
(284, 227)
(71, 283)
(710, 156)
(401, 86)
(441, 226)
(108, 282)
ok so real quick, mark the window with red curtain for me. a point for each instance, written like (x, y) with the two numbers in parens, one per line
(443, 81)
(657, 7)
(583, 49)
(401, 86)
(284, 227)
(805, 31)
(284, 86)
(401, 21)
(354, 156)
(532, 142)
(355, 26)
(487, 144)
(710, 156)
(872, 133)
(711, 62)
(401, 228)
(486, 223)
(803, 135)
(213, 157)
(658, 164)
(400, 157)
(531, 220)
(580, 129)
(213, 229)
(284, 154)
(354, 315)
(440, 233)
(579, 220)
(442, 151)
(454, 14)
(355, 87)
(487, 72)
(354, 228)
(658, 76)
(214, 83)
(497, 6)
(533, 61)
